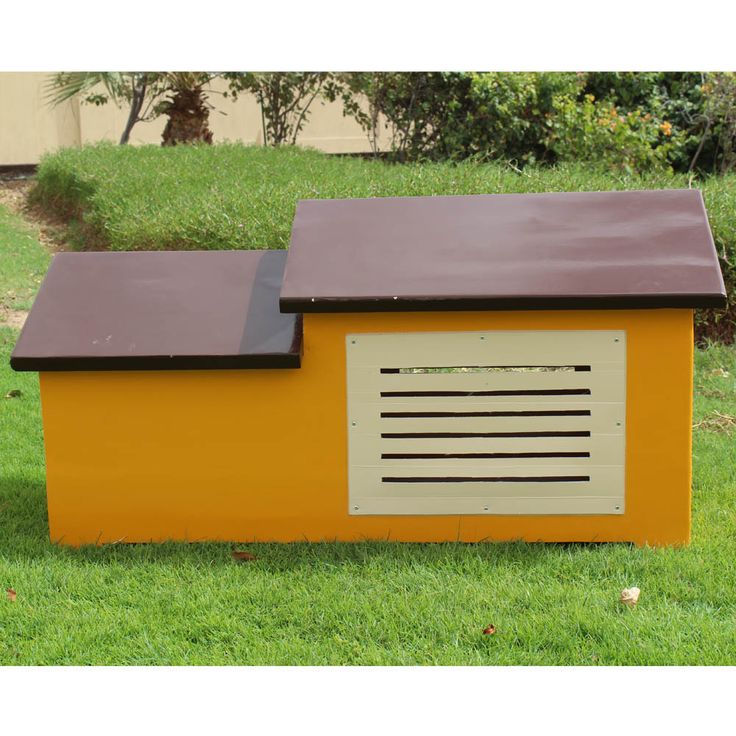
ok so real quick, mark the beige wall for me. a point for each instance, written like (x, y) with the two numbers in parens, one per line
(29, 127)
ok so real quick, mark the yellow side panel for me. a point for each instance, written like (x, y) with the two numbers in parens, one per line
(262, 454)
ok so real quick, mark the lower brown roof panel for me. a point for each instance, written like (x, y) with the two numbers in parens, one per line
(160, 311)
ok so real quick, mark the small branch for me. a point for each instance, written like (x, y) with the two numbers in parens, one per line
(700, 146)
(300, 119)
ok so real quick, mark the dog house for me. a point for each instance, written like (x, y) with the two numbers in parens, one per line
(489, 367)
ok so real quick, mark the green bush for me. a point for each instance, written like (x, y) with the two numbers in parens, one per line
(425, 112)
(625, 120)
(597, 131)
(233, 196)
(458, 115)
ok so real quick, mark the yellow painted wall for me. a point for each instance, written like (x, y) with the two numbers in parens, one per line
(29, 127)
(262, 454)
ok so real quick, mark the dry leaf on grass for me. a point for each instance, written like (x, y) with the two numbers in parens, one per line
(243, 556)
(490, 629)
(630, 596)
(717, 422)
(12, 595)
(711, 394)
(720, 372)
(15, 393)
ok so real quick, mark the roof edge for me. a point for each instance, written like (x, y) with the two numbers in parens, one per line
(156, 362)
(291, 305)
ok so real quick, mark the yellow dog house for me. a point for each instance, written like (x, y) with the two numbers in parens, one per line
(469, 368)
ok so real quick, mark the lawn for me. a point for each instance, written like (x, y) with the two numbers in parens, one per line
(367, 603)
(23, 262)
(235, 196)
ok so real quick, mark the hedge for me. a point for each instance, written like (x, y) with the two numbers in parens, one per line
(234, 196)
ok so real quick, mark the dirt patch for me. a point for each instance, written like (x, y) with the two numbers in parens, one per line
(14, 318)
(13, 194)
(50, 230)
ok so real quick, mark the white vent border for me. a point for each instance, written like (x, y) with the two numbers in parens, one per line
(367, 353)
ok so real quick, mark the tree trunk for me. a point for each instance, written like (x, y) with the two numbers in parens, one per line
(140, 85)
(188, 122)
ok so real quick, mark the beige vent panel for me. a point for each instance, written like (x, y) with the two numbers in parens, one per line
(527, 422)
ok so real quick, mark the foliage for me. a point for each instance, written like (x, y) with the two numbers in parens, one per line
(598, 131)
(285, 99)
(719, 118)
(136, 89)
(233, 196)
(416, 106)
(628, 120)
(507, 114)
(520, 117)
(185, 104)
(97, 88)
(674, 97)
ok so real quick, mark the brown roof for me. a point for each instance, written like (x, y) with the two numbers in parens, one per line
(634, 249)
(168, 310)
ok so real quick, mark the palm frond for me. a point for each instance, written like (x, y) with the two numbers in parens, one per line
(63, 86)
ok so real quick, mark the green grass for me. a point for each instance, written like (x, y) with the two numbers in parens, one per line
(23, 262)
(234, 196)
(371, 603)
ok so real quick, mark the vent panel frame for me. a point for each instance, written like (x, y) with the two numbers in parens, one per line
(509, 421)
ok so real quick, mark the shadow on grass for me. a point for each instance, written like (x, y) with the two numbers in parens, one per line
(24, 535)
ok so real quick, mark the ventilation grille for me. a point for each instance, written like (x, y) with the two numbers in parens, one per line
(501, 422)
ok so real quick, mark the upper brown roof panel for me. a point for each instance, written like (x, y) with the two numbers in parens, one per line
(634, 249)
(169, 310)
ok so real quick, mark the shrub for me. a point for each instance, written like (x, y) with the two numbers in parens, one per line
(232, 196)
(629, 120)
(507, 114)
(419, 109)
(285, 99)
(454, 115)
(719, 120)
(599, 132)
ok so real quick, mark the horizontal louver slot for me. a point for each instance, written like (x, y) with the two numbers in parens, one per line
(492, 479)
(533, 413)
(489, 369)
(450, 435)
(471, 423)
(530, 392)
(484, 455)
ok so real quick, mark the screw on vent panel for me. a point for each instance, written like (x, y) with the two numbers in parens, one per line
(513, 423)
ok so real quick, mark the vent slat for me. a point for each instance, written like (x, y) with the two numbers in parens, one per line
(603, 417)
(480, 468)
(513, 347)
(494, 465)
(604, 480)
(511, 503)
(598, 442)
(602, 449)
(598, 386)
(527, 404)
